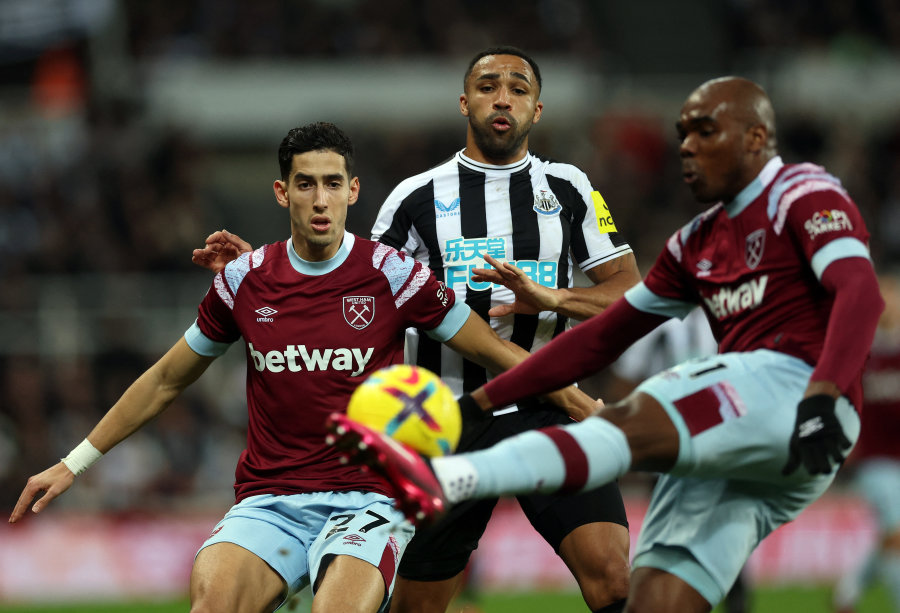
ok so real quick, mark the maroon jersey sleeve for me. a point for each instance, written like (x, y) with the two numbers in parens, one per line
(853, 284)
(817, 218)
(581, 351)
(666, 278)
(418, 295)
(827, 226)
(215, 318)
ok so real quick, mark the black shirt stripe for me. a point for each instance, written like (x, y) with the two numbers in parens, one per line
(474, 225)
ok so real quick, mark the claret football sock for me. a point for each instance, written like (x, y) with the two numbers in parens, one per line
(567, 458)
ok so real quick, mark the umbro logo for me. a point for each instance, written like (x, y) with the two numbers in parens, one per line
(265, 313)
(354, 539)
(704, 267)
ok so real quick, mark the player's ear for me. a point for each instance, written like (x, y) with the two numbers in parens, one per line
(757, 138)
(281, 198)
(354, 190)
(538, 108)
(463, 105)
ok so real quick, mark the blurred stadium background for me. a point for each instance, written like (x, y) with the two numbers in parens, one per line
(131, 129)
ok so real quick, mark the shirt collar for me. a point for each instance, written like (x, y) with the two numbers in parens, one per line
(482, 167)
(753, 189)
(320, 268)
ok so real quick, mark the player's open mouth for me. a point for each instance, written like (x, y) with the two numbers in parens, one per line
(320, 224)
(501, 123)
(689, 177)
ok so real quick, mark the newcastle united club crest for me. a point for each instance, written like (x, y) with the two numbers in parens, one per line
(545, 203)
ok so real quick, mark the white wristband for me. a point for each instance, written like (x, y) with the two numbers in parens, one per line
(82, 457)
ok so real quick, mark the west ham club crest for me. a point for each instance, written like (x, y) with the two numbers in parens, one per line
(359, 311)
(756, 243)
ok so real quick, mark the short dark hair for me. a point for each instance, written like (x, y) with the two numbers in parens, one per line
(319, 136)
(504, 50)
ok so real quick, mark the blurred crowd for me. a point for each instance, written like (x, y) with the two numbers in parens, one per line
(91, 189)
(306, 28)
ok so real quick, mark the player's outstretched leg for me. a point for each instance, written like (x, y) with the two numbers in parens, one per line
(415, 488)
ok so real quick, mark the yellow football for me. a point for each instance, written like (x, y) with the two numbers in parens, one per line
(411, 405)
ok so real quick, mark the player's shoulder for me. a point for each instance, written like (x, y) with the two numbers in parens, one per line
(381, 257)
(385, 257)
(402, 273)
(805, 180)
(237, 270)
(692, 231)
(795, 180)
(556, 168)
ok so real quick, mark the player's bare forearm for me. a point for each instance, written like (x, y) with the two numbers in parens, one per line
(574, 402)
(611, 280)
(149, 395)
(478, 342)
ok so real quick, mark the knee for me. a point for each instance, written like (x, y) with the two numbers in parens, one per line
(597, 555)
(605, 580)
(607, 585)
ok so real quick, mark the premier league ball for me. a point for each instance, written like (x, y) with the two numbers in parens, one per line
(411, 405)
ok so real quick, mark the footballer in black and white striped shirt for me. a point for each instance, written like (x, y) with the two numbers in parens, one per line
(540, 215)
(494, 199)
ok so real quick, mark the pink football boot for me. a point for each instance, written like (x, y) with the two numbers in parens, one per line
(416, 490)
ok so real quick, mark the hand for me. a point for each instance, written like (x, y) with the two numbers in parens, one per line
(818, 438)
(575, 402)
(221, 247)
(53, 482)
(531, 297)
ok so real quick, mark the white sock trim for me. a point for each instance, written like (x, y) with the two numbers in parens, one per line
(457, 476)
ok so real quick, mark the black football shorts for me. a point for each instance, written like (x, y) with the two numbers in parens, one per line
(442, 550)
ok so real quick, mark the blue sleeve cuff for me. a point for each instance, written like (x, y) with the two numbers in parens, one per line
(453, 321)
(202, 344)
(838, 249)
(641, 298)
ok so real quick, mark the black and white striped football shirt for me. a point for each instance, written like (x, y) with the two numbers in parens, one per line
(542, 215)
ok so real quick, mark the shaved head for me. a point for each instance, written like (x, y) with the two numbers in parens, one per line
(747, 102)
(727, 133)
